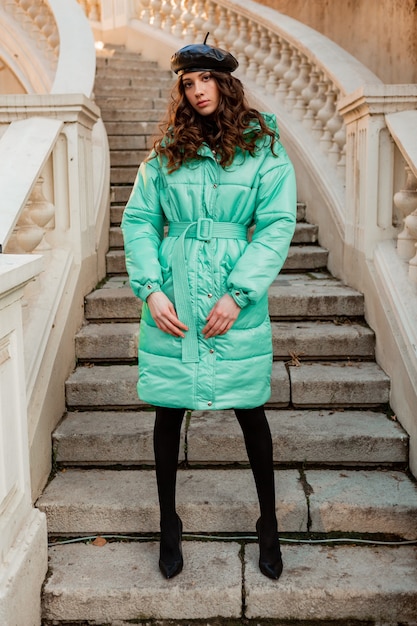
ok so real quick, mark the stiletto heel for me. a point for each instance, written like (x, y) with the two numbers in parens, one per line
(270, 559)
(170, 555)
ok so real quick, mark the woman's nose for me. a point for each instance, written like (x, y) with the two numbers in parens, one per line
(199, 88)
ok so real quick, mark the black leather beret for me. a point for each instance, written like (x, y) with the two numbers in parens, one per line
(201, 57)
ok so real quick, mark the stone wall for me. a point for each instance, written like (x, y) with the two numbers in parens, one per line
(379, 33)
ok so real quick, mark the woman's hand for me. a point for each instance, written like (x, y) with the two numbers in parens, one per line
(164, 315)
(221, 317)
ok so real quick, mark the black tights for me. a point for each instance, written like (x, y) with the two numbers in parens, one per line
(258, 441)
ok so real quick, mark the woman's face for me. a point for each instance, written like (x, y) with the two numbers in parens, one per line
(201, 91)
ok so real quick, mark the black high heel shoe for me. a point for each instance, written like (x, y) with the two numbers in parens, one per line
(270, 559)
(170, 549)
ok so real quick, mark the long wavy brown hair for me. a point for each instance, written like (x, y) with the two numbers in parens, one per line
(231, 126)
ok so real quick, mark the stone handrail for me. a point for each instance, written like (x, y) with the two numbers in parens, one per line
(400, 124)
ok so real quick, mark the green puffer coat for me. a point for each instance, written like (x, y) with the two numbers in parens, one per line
(205, 255)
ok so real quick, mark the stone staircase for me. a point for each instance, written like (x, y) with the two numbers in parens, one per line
(341, 457)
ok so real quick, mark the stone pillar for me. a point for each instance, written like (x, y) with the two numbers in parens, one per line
(23, 536)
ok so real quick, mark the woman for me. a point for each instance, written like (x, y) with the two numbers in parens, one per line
(205, 333)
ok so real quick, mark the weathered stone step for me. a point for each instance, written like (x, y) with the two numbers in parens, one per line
(299, 258)
(129, 142)
(139, 80)
(297, 340)
(91, 501)
(160, 88)
(304, 233)
(127, 102)
(121, 581)
(121, 194)
(292, 296)
(144, 116)
(114, 386)
(87, 501)
(345, 438)
(124, 175)
(133, 71)
(330, 384)
(140, 128)
(124, 62)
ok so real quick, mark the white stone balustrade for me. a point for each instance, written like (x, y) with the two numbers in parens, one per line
(402, 126)
(54, 191)
(23, 537)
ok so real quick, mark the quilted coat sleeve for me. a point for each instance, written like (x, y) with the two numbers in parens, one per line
(275, 219)
(142, 226)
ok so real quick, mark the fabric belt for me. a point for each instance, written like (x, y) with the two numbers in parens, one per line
(204, 229)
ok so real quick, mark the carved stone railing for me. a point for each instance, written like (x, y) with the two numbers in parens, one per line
(33, 25)
(54, 190)
(402, 127)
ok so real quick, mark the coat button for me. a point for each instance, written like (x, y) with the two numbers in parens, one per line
(209, 403)
(214, 186)
(209, 295)
(237, 293)
(211, 351)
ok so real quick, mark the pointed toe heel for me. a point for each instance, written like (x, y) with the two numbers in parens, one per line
(170, 556)
(270, 559)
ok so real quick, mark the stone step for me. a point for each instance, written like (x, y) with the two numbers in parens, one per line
(100, 501)
(297, 340)
(335, 584)
(309, 437)
(127, 102)
(124, 175)
(299, 258)
(143, 85)
(129, 142)
(328, 384)
(126, 62)
(151, 117)
(114, 386)
(140, 80)
(145, 128)
(292, 296)
(135, 70)
(304, 233)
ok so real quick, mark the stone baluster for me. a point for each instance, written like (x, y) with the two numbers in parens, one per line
(199, 22)
(334, 125)
(299, 85)
(260, 56)
(241, 43)
(220, 33)
(210, 23)
(30, 230)
(309, 93)
(187, 20)
(250, 51)
(143, 11)
(271, 62)
(232, 33)
(167, 18)
(406, 202)
(289, 77)
(156, 13)
(317, 104)
(281, 68)
(324, 115)
(176, 14)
